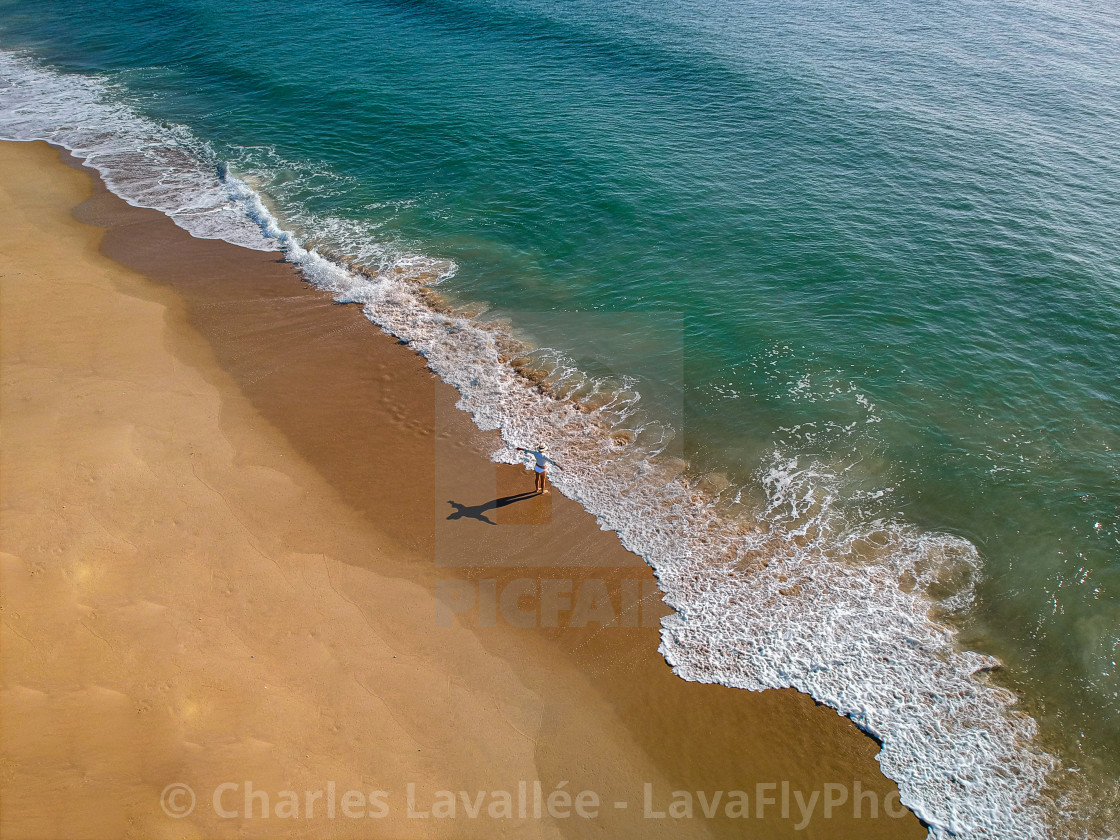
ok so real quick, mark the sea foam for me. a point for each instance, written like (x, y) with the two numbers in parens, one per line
(781, 592)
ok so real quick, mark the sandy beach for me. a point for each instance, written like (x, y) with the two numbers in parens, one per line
(250, 545)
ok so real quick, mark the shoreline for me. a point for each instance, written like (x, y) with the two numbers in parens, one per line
(329, 432)
(740, 621)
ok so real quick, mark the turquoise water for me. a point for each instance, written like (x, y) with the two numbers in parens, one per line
(887, 232)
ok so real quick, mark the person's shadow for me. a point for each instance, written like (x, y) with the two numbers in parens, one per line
(479, 511)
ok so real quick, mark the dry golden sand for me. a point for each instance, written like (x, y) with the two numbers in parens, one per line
(222, 531)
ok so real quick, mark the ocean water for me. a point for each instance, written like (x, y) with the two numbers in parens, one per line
(832, 291)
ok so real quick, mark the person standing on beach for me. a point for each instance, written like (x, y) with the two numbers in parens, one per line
(541, 466)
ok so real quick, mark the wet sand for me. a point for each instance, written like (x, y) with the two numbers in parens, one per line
(247, 538)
